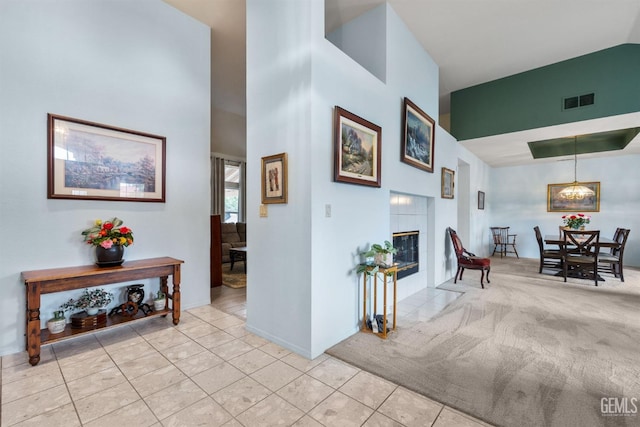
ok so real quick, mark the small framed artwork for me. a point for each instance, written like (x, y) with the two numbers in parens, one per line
(447, 183)
(357, 149)
(481, 200)
(92, 161)
(418, 137)
(589, 203)
(274, 179)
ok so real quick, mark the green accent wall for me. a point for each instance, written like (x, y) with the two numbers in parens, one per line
(534, 99)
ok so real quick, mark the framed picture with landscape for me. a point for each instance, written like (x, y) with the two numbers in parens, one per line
(556, 203)
(357, 149)
(417, 138)
(447, 183)
(274, 179)
(93, 161)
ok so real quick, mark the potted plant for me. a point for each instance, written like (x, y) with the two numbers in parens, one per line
(110, 238)
(57, 323)
(160, 301)
(91, 301)
(382, 257)
(576, 221)
(382, 254)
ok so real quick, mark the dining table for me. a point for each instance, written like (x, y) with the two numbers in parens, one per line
(558, 239)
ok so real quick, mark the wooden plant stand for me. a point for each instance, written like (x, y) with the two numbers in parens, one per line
(40, 282)
(385, 272)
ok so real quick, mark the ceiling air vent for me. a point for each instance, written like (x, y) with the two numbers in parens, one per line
(579, 101)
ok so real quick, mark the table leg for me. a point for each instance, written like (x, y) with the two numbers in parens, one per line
(33, 322)
(232, 255)
(176, 294)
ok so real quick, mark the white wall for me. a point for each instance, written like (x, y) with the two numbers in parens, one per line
(308, 296)
(139, 65)
(369, 51)
(518, 198)
(228, 133)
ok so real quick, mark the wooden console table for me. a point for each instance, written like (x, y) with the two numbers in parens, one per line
(40, 282)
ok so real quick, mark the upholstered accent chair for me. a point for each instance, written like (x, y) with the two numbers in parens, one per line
(468, 260)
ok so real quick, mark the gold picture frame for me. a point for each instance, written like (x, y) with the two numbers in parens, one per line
(274, 179)
(589, 204)
(448, 183)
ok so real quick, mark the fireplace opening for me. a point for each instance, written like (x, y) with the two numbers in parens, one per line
(406, 258)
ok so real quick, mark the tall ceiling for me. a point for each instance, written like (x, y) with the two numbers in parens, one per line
(472, 41)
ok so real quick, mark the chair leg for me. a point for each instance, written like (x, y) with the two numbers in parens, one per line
(564, 271)
(595, 274)
(620, 268)
(455, 280)
(516, 251)
(482, 279)
(461, 271)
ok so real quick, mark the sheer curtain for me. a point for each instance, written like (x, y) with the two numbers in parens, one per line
(242, 211)
(218, 177)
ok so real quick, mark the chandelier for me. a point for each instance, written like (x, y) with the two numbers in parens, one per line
(575, 191)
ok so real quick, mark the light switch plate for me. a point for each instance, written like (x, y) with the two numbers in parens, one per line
(263, 211)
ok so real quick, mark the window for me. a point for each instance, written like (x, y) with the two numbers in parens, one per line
(231, 191)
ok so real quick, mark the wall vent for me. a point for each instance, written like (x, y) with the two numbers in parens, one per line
(579, 101)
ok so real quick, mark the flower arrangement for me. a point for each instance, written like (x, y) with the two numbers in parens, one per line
(108, 233)
(576, 221)
(94, 298)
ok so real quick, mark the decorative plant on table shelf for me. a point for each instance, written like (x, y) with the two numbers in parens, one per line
(576, 221)
(160, 301)
(379, 253)
(90, 300)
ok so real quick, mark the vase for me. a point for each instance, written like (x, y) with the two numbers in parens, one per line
(57, 323)
(92, 311)
(109, 257)
(383, 260)
(159, 304)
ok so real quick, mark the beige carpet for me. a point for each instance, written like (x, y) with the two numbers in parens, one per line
(529, 350)
(234, 278)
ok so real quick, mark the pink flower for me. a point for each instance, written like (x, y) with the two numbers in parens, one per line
(106, 244)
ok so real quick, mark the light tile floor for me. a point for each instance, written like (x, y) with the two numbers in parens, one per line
(209, 371)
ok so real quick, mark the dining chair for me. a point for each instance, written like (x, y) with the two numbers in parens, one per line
(611, 262)
(548, 257)
(502, 239)
(580, 251)
(468, 260)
